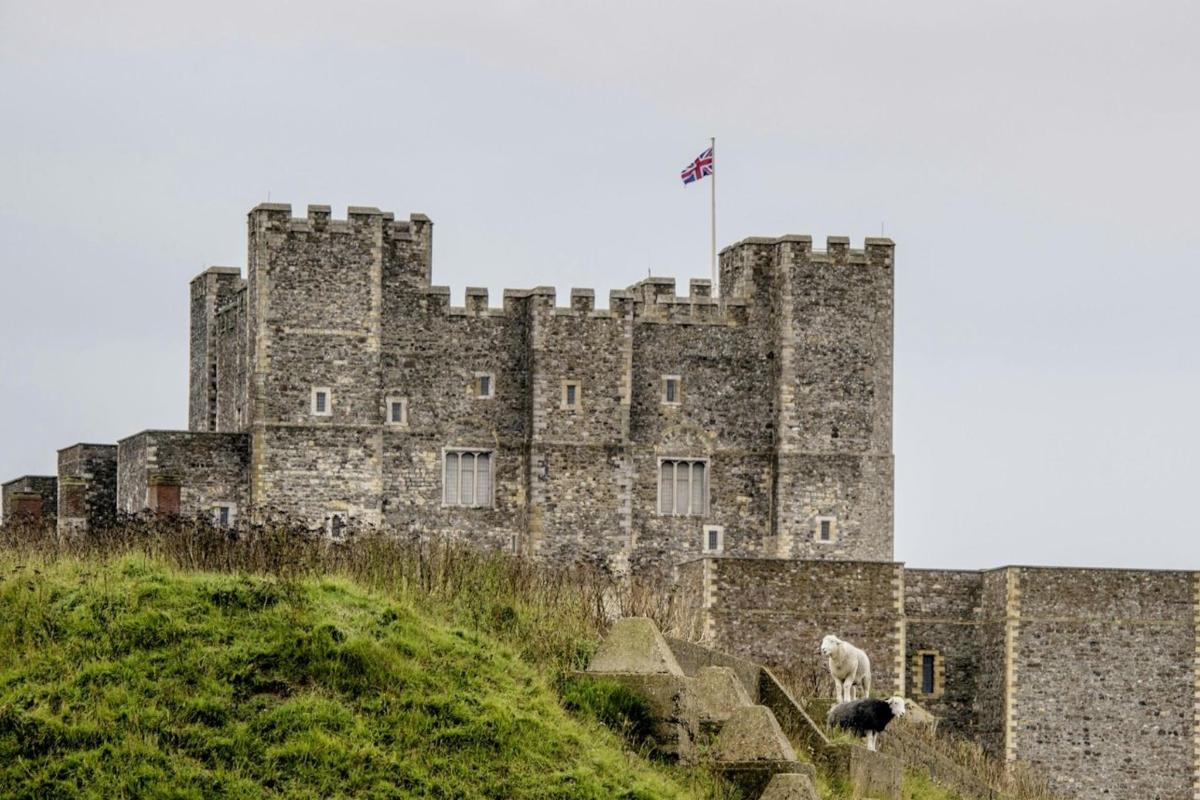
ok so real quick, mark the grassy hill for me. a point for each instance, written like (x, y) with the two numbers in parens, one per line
(129, 678)
(158, 660)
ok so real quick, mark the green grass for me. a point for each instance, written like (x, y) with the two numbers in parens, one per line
(125, 677)
(919, 786)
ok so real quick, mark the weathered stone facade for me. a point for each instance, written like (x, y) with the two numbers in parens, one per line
(87, 486)
(776, 429)
(1088, 675)
(34, 497)
(210, 471)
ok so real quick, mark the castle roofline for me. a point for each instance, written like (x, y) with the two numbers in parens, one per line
(83, 444)
(27, 477)
(831, 242)
(176, 430)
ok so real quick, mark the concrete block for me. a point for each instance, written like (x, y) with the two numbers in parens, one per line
(752, 734)
(753, 778)
(719, 694)
(634, 645)
(790, 786)
(874, 776)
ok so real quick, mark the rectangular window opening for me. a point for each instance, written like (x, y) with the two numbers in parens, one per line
(397, 411)
(683, 487)
(670, 389)
(322, 401)
(714, 539)
(927, 675)
(826, 530)
(224, 515)
(467, 479)
(570, 395)
(337, 527)
(485, 385)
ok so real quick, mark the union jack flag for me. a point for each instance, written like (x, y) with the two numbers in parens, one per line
(699, 168)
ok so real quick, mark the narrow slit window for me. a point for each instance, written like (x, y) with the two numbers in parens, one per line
(826, 530)
(927, 673)
(714, 539)
(485, 385)
(666, 503)
(570, 395)
(397, 411)
(451, 481)
(670, 390)
(322, 402)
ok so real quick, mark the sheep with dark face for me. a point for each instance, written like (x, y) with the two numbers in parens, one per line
(867, 718)
(849, 666)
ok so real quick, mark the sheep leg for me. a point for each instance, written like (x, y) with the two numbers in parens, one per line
(871, 740)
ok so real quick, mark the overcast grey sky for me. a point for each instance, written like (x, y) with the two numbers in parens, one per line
(1036, 162)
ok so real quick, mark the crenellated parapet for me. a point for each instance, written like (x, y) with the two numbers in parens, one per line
(404, 246)
(652, 301)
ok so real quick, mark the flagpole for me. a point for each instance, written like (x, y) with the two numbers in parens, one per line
(713, 229)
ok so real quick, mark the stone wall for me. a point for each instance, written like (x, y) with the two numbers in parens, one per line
(1105, 687)
(210, 290)
(830, 318)
(997, 634)
(942, 610)
(31, 495)
(87, 487)
(347, 306)
(232, 368)
(778, 610)
(209, 468)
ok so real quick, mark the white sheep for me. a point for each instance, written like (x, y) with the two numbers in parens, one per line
(849, 667)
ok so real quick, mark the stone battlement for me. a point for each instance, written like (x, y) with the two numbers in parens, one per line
(320, 220)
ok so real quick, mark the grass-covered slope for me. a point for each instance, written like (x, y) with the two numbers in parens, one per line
(127, 678)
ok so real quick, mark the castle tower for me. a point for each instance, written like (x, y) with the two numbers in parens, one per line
(829, 315)
(315, 308)
(210, 291)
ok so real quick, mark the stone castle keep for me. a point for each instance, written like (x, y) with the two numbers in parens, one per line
(740, 445)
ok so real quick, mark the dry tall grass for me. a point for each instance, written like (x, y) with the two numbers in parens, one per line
(550, 613)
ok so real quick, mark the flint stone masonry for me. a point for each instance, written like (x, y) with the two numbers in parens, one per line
(34, 497)
(87, 487)
(1089, 676)
(210, 469)
(784, 395)
(778, 610)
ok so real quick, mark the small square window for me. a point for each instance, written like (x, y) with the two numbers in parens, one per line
(826, 530)
(397, 411)
(570, 395)
(714, 539)
(485, 385)
(671, 385)
(322, 402)
(224, 515)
